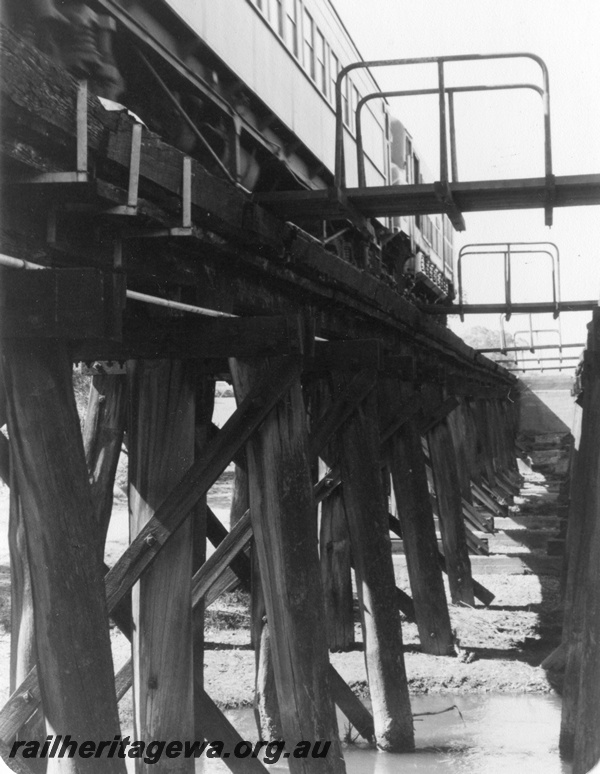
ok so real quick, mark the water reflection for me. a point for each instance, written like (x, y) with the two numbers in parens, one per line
(497, 734)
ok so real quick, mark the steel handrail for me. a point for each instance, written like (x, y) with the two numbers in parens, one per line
(496, 350)
(340, 172)
(450, 91)
(537, 248)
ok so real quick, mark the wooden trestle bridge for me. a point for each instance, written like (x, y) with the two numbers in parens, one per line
(328, 362)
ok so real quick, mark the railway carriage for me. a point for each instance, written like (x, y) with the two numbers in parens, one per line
(248, 88)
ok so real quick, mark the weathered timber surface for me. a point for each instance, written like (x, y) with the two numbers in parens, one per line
(218, 727)
(485, 441)
(575, 528)
(405, 605)
(579, 735)
(161, 450)
(475, 519)
(213, 578)
(217, 533)
(40, 96)
(285, 530)
(146, 337)
(327, 416)
(346, 355)
(367, 516)
(204, 409)
(17, 765)
(336, 575)
(472, 447)
(452, 526)
(266, 702)
(225, 555)
(487, 501)
(351, 706)
(465, 419)
(4, 459)
(337, 412)
(63, 303)
(102, 440)
(199, 478)
(75, 662)
(22, 643)
(460, 438)
(401, 416)
(409, 478)
(503, 447)
(195, 483)
(434, 415)
(240, 501)
(205, 581)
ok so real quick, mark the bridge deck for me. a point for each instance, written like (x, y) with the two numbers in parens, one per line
(477, 196)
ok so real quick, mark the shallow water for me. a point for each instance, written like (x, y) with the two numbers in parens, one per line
(497, 734)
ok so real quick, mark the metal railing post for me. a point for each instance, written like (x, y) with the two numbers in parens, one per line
(453, 159)
(443, 137)
(507, 287)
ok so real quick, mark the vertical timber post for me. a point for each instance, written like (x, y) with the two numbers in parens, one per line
(22, 635)
(285, 531)
(449, 496)
(204, 407)
(102, 439)
(470, 446)
(459, 433)
(336, 572)
(161, 449)
(409, 477)
(71, 620)
(475, 456)
(579, 722)
(367, 514)
(334, 538)
(266, 705)
(484, 440)
(239, 497)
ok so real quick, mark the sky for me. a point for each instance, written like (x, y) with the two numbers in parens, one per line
(499, 134)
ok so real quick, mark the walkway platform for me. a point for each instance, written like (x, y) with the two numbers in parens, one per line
(429, 199)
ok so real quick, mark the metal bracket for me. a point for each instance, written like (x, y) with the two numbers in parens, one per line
(444, 194)
(80, 175)
(186, 229)
(550, 198)
(130, 209)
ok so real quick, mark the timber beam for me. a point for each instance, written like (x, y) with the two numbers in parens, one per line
(61, 303)
(195, 337)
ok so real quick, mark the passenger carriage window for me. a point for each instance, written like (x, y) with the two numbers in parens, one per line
(309, 45)
(334, 69)
(345, 106)
(292, 20)
(278, 22)
(321, 62)
(264, 6)
(416, 170)
(354, 97)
